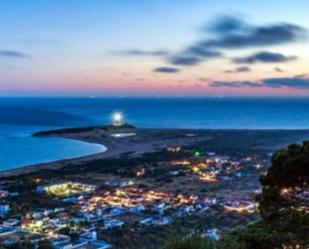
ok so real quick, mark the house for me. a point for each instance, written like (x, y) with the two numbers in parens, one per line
(80, 244)
(116, 211)
(37, 215)
(110, 224)
(5, 230)
(119, 184)
(137, 209)
(176, 172)
(163, 221)
(71, 199)
(95, 245)
(4, 209)
(147, 221)
(40, 189)
(240, 206)
(61, 242)
(238, 174)
(4, 193)
(155, 221)
(90, 235)
(99, 245)
(11, 236)
(212, 234)
(11, 222)
(210, 201)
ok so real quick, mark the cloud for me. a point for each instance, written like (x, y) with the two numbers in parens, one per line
(297, 82)
(226, 24)
(264, 57)
(244, 69)
(257, 36)
(279, 70)
(137, 52)
(200, 51)
(229, 32)
(184, 60)
(166, 70)
(193, 55)
(13, 54)
(235, 84)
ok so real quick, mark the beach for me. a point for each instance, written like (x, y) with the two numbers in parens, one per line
(136, 141)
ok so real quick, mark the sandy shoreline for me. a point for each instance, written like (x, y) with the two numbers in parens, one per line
(114, 148)
(148, 140)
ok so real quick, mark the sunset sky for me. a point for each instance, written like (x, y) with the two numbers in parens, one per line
(154, 48)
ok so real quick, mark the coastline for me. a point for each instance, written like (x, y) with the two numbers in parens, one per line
(146, 140)
(101, 148)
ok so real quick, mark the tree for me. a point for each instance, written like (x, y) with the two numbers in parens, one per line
(74, 236)
(64, 231)
(23, 244)
(45, 244)
(284, 201)
(192, 242)
(283, 205)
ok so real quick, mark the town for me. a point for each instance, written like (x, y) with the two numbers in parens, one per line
(82, 211)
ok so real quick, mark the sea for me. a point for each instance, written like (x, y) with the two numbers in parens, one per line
(21, 117)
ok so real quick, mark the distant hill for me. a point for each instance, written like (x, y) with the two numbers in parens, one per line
(33, 116)
(82, 129)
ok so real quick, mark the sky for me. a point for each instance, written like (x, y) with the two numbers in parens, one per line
(154, 48)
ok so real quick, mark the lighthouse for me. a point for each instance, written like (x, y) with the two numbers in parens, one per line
(117, 119)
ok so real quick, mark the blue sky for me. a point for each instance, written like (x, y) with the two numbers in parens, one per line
(69, 47)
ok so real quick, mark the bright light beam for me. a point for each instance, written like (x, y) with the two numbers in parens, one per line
(117, 118)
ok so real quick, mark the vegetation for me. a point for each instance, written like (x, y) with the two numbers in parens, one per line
(45, 244)
(192, 242)
(27, 198)
(22, 244)
(283, 204)
(81, 129)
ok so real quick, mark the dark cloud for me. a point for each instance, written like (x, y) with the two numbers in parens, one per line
(265, 57)
(227, 24)
(166, 70)
(137, 52)
(299, 81)
(201, 51)
(258, 36)
(184, 60)
(194, 55)
(235, 84)
(244, 69)
(13, 54)
(234, 33)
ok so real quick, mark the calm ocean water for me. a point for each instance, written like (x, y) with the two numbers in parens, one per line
(20, 117)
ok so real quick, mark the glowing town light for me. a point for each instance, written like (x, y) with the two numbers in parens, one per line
(196, 169)
(117, 118)
(208, 177)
